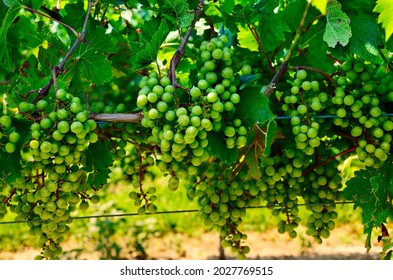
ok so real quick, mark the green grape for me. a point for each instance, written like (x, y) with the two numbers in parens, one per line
(246, 70)
(306, 85)
(302, 109)
(10, 148)
(45, 123)
(76, 127)
(14, 137)
(227, 73)
(195, 92)
(356, 131)
(84, 205)
(24, 107)
(183, 120)
(173, 183)
(61, 94)
(301, 74)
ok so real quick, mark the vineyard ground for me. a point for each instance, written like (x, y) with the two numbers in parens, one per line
(343, 244)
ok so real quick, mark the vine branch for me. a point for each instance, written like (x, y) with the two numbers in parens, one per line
(179, 53)
(59, 69)
(118, 117)
(284, 66)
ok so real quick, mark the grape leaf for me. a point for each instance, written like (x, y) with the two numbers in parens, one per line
(148, 53)
(253, 107)
(229, 5)
(293, 13)
(274, 35)
(73, 15)
(270, 136)
(358, 6)
(372, 191)
(219, 149)
(365, 37)
(246, 39)
(10, 164)
(182, 10)
(99, 157)
(385, 10)
(93, 63)
(314, 49)
(5, 50)
(255, 112)
(261, 138)
(338, 29)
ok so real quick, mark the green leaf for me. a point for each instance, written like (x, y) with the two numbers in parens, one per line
(254, 107)
(254, 111)
(270, 136)
(10, 164)
(338, 29)
(219, 149)
(246, 39)
(358, 6)
(314, 49)
(293, 13)
(229, 5)
(366, 37)
(5, 50)
(372, 191)
(93, 63)
(148, 53)
(275, 34)
(75, 15)
(182, 11)
(385, 10)
(99, 159)
(261, 137)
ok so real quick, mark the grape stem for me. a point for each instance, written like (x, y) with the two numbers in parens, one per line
(321, 163)
(10, 196)
(179, 53)
(284, 66)
(51, 18)
(59, 69)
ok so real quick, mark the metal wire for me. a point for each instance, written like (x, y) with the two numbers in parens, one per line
(164, 212)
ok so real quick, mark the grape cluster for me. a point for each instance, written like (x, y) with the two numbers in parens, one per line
(223, 203)
(53, 181)
(281, 184)
(217, 87)
(363, 96)
(178, 128)
(324, 184)
(9, 136)
(359, 95)
(303, 102)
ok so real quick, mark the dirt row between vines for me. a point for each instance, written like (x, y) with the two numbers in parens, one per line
(343, 244)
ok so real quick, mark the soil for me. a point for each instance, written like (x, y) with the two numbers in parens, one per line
(343, 244)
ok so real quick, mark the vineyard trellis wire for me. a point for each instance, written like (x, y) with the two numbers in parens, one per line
(158, 213)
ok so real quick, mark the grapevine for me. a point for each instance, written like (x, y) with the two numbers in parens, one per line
(239, 120)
